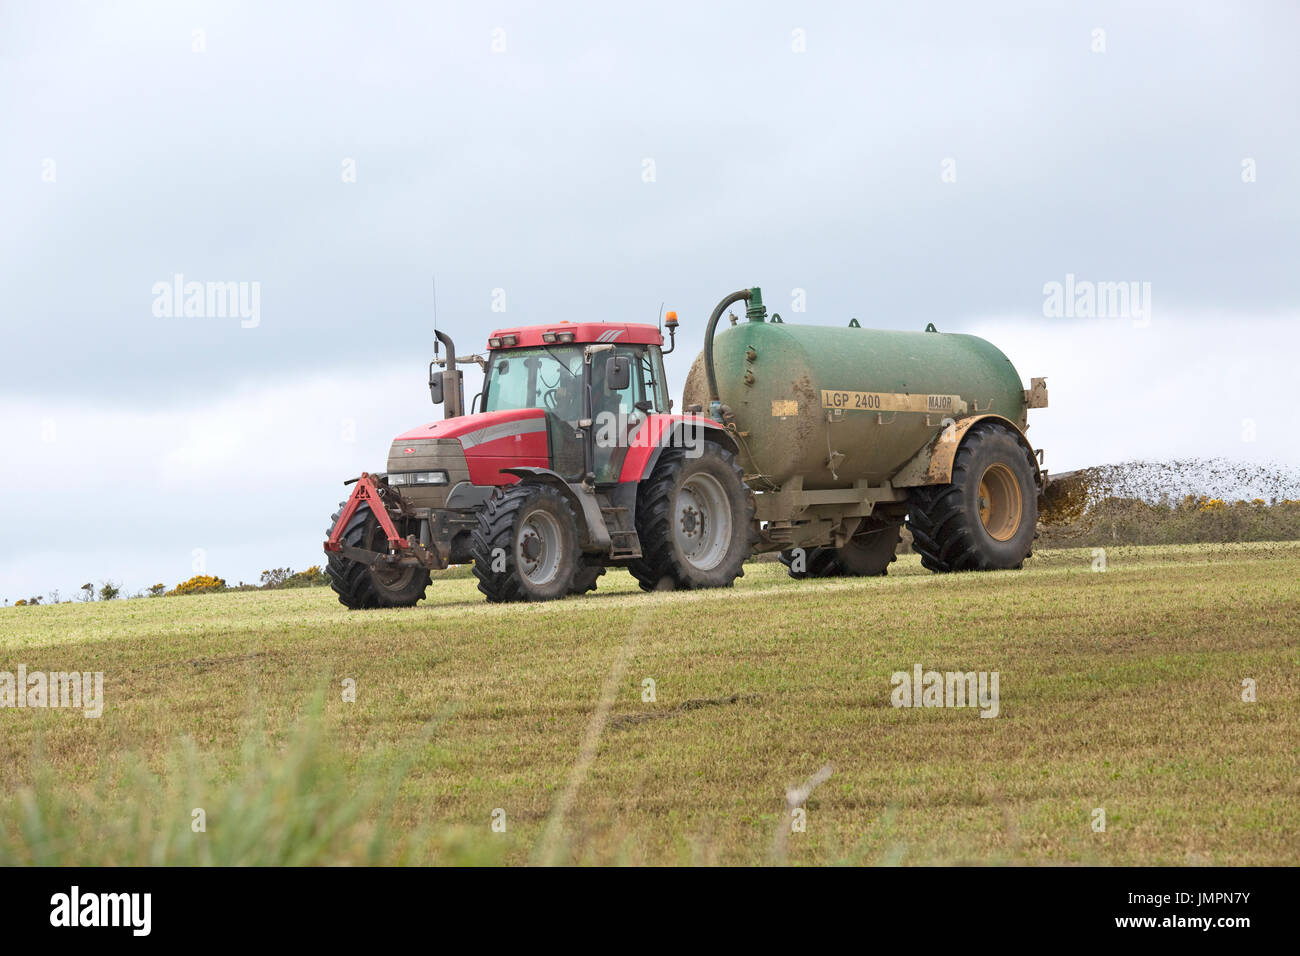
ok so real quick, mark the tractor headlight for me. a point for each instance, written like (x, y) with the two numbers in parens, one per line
(417, 478)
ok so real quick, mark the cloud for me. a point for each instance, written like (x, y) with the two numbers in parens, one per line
(522, 169)
(1183, 386)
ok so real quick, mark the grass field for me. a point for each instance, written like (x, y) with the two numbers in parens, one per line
(1119, 690)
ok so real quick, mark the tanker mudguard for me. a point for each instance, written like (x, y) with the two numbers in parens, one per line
(932, 465)
(670, 431)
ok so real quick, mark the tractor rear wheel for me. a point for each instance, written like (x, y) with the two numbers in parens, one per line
(695, 519)
(984, 519)
(363, 588)
(526, 545)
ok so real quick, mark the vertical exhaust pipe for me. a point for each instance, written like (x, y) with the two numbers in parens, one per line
(453, 379)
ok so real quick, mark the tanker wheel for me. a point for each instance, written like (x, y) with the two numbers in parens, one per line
(525, 547)
(803, 563)
(869, 553)
(695, 519)
(585, 578)
(363, 588)
(984, 519)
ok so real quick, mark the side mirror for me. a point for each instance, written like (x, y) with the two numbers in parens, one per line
(435, 387)
(618, 373)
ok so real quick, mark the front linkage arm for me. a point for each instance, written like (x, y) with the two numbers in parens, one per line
(402, 550)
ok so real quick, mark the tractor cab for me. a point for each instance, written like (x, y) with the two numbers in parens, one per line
(593, 384)
(596, 385)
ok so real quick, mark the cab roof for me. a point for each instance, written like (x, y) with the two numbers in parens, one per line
(614, 333)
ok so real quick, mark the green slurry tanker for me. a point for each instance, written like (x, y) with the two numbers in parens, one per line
(815, 442)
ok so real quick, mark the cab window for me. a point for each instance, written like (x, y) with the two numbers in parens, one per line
(546, 378)
(624, 402)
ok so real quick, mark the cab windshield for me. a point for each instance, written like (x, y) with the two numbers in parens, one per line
(550, 378)
(547, 378)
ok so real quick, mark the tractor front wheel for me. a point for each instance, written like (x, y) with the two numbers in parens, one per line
(526, 545)
(362, 588)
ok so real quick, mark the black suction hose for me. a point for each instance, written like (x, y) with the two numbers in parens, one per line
(708, 339)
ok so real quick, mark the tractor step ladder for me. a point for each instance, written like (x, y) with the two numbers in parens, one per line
(623, 539)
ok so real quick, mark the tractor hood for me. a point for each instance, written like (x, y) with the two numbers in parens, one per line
(480, 429)
(485, 443)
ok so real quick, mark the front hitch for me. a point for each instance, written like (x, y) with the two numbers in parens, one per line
(402, 551)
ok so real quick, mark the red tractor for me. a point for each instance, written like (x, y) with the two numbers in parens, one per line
(569, 461)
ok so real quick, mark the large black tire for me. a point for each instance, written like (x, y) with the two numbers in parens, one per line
(526, 545)
(984, 519)
(869, 553)
(815, 563)
(695, 519)
(585, 578)
(363, 588)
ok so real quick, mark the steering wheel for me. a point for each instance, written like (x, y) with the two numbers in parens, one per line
(551, 399)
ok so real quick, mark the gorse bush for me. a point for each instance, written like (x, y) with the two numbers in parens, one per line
(199, 584)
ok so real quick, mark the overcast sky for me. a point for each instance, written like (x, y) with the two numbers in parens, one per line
(899, 163)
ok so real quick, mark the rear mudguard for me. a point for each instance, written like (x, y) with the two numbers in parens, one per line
(932, 465)
(658, 432)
